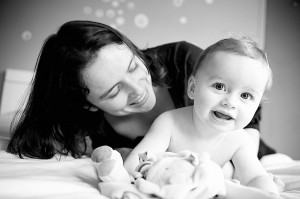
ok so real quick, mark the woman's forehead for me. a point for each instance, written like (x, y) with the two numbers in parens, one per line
(108, 67)
(112, 50)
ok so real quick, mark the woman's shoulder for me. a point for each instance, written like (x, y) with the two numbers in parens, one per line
(174, 45)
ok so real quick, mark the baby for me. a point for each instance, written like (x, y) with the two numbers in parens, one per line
(234, 77)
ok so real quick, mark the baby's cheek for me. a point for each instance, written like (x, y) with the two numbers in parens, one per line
(246, 117)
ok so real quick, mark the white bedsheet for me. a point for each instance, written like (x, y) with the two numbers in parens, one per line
(54, 178)
(66, 177)
(287, 170)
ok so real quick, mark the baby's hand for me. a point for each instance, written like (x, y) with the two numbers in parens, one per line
(147, 156)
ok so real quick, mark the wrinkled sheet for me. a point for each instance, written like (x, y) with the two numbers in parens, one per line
(288, 171)
(66, 177)
(60, 177)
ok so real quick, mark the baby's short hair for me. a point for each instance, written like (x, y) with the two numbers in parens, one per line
(243, 46)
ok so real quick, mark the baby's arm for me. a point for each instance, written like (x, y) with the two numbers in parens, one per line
(156, 140)
(236, 191)
(250, 170)
(254, 134)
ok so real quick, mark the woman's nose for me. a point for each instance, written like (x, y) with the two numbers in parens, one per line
(135, 88)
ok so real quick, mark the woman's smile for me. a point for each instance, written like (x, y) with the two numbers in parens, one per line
(141, 100)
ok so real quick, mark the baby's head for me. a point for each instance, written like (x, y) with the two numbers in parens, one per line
(229, 81)
(244, 46)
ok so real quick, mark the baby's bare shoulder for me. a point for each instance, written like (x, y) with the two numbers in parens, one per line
(177, 114)
(238, 137)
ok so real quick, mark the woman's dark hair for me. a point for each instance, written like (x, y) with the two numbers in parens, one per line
(54, 119)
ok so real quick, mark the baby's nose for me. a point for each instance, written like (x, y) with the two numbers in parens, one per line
(229, 102)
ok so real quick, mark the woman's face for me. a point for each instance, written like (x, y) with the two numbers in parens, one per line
(119, 82)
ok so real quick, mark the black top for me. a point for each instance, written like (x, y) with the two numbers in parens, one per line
(179, 58)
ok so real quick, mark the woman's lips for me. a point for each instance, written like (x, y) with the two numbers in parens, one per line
(141, 100)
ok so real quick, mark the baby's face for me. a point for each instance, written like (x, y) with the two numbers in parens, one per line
(227, 90)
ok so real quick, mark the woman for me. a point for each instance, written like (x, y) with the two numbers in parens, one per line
(92, 81)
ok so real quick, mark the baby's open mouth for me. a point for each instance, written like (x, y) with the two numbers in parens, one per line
(222, 115)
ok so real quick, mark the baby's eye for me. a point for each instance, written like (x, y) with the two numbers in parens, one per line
(115, 92)
(246, 96)
(219, 86)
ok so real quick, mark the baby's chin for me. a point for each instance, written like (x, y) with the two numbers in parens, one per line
(225, 129)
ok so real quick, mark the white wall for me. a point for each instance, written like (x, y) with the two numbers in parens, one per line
(26, 23)
(281, 116)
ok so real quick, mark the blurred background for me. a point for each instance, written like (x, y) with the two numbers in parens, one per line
(274, 24)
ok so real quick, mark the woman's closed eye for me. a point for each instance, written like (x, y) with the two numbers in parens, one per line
(114, 92)
(133, 67)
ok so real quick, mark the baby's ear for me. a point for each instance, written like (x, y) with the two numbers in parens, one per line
(191, 87)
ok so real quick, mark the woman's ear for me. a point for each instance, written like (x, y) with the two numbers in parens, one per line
(191, 87)
(90, 108)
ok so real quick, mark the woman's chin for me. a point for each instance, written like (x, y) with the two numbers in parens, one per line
(145, 107)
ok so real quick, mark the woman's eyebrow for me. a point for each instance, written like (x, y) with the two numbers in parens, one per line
(131, 60)
(104, 95)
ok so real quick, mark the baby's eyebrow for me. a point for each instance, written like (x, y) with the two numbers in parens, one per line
(104, 95)
(253, 91)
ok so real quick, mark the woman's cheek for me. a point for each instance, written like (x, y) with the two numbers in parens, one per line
(113, 105)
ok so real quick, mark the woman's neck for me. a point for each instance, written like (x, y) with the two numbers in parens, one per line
(138, 124)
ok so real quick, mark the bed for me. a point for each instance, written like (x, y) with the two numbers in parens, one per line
(65, 177)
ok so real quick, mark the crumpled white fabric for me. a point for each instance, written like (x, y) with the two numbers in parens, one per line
(60, 177)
